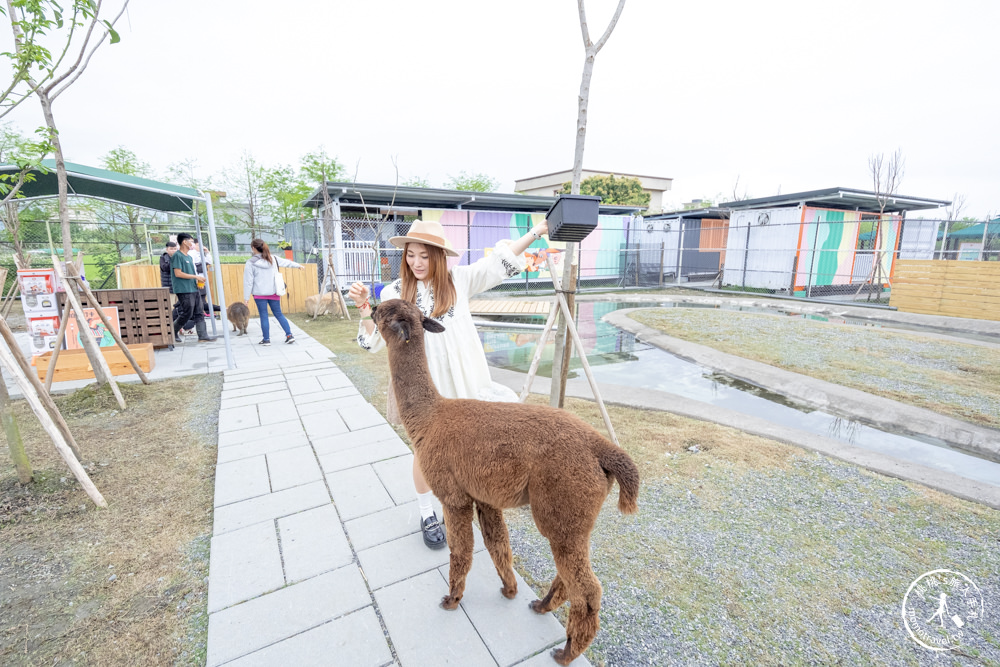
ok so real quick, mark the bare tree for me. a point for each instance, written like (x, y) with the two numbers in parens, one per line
(887, 174)
(563, 350)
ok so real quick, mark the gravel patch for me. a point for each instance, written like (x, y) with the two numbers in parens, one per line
(805, 565)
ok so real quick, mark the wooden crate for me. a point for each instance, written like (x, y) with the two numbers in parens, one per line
(74, 364)
(144, 315)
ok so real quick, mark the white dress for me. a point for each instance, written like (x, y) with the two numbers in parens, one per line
(455, 356)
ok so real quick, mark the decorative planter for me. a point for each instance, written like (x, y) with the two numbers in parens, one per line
(572, 217)
(74, 364)
(289, 254)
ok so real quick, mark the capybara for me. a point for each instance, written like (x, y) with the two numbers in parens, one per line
(239, 315)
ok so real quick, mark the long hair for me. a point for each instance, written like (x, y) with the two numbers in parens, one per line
(440, 279)
(261, 246)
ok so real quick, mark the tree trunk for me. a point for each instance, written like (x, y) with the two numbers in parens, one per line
(24, 472)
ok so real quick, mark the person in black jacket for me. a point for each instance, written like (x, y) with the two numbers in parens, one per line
(165, 265)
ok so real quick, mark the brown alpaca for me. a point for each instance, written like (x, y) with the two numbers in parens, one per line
(492, 456)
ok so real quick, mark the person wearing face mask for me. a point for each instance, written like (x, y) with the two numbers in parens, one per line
(455, 357)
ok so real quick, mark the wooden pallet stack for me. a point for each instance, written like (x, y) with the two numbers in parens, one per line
(144, 315)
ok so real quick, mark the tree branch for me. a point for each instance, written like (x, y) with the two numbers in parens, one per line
(583, 24)
(86, 62)
(611, 26)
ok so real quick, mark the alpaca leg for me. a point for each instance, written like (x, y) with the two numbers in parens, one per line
(584, 591)
(497, 541)
(458, 522)
(552, 600)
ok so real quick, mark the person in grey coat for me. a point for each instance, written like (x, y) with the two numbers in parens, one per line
(259, 283)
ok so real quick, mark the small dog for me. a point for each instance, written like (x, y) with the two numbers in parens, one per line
(239, 315)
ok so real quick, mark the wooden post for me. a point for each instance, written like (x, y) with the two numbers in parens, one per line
(101, 370)
(54, 432)
(570, 298)
(17, 454)
(11, 295)
(32, 378)
(111, 329)
(60, 337)
(571, 328)
(553, 313)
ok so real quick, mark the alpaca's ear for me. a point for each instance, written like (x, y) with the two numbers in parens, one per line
(432, 326)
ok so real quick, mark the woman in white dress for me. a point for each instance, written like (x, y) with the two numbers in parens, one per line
(455, 357)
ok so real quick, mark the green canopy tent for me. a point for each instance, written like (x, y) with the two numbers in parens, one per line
(84, 181)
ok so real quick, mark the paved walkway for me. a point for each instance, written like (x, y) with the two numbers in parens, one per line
(316, 556)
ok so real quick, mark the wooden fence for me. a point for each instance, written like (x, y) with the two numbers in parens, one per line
(300, 283)
(947, 287)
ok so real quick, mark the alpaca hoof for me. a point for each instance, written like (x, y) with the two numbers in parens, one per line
(559, 655)
(449, 602)
(536, 606)
(509, 593)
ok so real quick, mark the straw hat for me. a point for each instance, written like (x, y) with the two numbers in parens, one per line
(428, 232)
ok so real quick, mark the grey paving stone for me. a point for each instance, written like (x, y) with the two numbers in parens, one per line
(307, 365)
(326, 395)
(240, 374)
(253, 391)
(405, 557)
(313, 542)
(304, 386)
(352, 439)
(512, 631)
(293, 467)
(242, 382)
(357, 492)
(387, 525)
(361, 416)
(356, 456)
(418, 625)
(244, 564)
(275, 412)
(335, 381)
(246, 435)
(272, 506)
(355, 639)
(270, 618)
(397, 477)
(240, 480)
(543, 659)
(258, 447)
(234, 419)
(323, 425)
(254, 399)
(316, 370)
(330, 403)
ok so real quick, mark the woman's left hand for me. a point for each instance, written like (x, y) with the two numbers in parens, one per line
(541, 228)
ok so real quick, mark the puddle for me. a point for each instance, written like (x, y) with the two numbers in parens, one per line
(617, 358)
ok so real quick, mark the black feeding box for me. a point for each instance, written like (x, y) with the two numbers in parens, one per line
(572, 217)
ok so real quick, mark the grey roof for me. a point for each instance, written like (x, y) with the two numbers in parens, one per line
(839, 198)
(692, 213)
(354, 194)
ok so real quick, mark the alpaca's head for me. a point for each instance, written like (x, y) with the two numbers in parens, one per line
(400, 321)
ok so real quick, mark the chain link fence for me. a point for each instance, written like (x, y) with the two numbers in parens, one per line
(830, 259)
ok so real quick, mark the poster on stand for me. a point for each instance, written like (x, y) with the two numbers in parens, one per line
(94, 326)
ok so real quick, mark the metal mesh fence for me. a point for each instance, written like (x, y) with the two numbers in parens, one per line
(835, 259)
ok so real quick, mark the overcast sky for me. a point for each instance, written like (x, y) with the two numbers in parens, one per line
(783, 95)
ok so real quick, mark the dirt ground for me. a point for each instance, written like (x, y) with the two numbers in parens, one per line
(126, 585)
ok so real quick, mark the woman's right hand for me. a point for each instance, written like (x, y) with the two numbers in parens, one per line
(358, 293)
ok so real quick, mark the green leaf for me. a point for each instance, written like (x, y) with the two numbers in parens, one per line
(115, 37)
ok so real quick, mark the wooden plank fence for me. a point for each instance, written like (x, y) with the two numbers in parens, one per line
(300, 283)
(947, 287)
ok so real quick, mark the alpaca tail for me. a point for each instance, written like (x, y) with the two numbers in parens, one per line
(617, 463)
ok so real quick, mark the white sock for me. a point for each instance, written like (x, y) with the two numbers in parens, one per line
(424, 502)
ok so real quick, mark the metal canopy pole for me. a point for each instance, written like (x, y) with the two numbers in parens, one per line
(204, 270)
(230, 363)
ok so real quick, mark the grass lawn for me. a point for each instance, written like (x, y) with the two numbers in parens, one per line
(749, 551)
(124, 585)
(957, 379)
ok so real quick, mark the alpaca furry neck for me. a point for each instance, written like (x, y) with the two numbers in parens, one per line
(411, 381)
